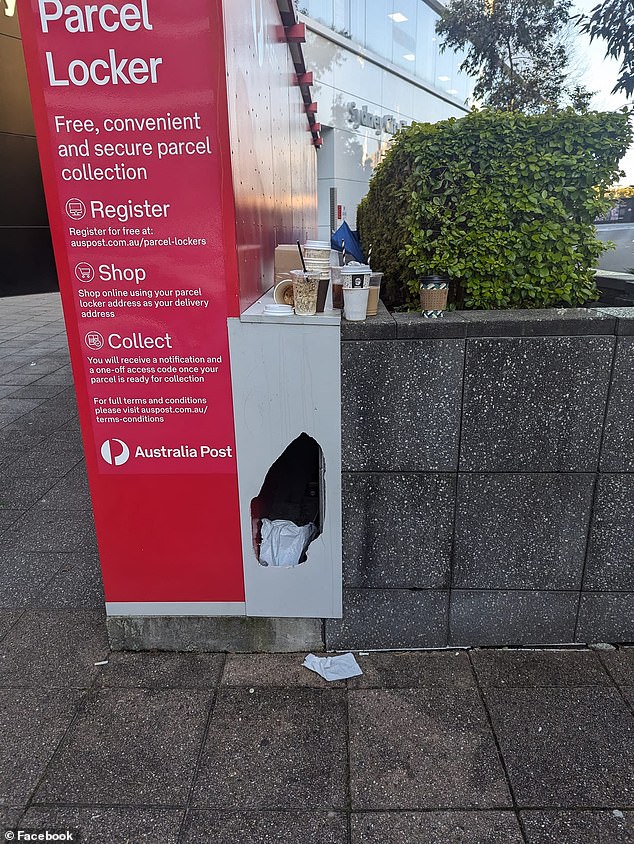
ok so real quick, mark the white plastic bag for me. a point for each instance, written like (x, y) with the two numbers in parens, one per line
(284, 542)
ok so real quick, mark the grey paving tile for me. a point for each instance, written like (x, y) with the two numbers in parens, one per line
(275, 670)
(45, 460)
(21, 493)
(522, 414)
(129, 746)
(518, 668)
(584, 827)
(155, 670)
(9, 517)
(620, 664)
(99, 825)
(44, 530)
(207, 827)
(436, 828)
(606, 617)
(70, 493)
(32, 723)
(628, 692)
(20, 378)
(618, 441)
(77, 586)
(488, 617)
(389, 618)
(397, 529)
(41, 363)
(13, 408)
(565, 747)
(53, 649)
(420, 669)
(610, 565)
(509, 535)
(413, 384)
(422, 749)
(275, 749)
(63, 376)
(9, 817)
(23, 577)
(36, 391)
(16, 440)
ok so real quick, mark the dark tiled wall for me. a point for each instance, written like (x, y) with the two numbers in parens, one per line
(488, 485)
(26, 256)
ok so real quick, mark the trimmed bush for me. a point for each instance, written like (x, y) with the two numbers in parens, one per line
(502, 203)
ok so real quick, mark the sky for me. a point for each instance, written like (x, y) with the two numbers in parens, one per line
(599, 74)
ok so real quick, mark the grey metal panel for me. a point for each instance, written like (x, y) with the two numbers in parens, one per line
(286, 381)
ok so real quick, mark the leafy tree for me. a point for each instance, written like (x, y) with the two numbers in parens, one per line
(513, 47)
(613, 21)
(502, 203)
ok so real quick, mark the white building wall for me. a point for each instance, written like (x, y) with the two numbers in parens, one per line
(346, 73)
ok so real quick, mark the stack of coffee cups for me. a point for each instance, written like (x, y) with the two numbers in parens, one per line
(317, 255)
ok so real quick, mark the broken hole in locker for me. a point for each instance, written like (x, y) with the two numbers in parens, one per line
(288, 514)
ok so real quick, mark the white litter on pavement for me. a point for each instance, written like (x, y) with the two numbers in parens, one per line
(333, 667)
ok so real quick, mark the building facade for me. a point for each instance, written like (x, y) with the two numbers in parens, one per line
(25, 238)
(376, 66)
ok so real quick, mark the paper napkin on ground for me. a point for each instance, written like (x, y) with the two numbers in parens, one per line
(333, 667)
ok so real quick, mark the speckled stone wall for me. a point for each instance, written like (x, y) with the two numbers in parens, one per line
(488, 479)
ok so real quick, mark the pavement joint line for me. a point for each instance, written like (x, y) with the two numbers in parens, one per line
(22, 611)
(348, 768)
(617, 685)
(201, 751)
(79, 708)
(498, 748)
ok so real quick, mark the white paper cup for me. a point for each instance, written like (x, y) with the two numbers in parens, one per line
(355, 303)
(356, 275)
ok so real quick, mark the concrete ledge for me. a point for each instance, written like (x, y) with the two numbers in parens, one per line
(379, 327)
(225, 633)
(624, 319)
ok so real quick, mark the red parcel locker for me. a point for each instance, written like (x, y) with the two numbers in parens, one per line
(160, 239)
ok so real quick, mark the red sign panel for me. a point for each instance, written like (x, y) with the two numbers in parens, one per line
(130, 108)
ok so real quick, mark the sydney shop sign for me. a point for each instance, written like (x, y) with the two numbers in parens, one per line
(362, 117)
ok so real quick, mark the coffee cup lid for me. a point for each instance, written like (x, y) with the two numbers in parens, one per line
(355, 269)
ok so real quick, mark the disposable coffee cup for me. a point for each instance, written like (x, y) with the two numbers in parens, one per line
(356, 275)
(322, 292)
(317, 250)
(373, 295)
(337, 288)
(355, 303)
(305, 291)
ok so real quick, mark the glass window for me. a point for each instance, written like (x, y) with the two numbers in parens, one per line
(426, 40)
(319, 10)
(341, 14)
(357, 21)
(377, 27)
(403, 26)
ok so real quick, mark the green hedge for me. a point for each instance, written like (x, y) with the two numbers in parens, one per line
(501, 203)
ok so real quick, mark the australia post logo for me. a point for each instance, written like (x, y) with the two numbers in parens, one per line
(116, 453)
